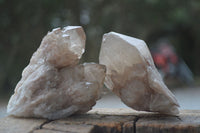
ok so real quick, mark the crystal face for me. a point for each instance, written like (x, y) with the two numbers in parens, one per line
(53, 85)
(132, 75)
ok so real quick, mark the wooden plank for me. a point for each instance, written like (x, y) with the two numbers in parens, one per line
(47, 131)
(185, 122)
(19, 125)
(75, 128)
(107, 121)
(101, 123)
(128, 127)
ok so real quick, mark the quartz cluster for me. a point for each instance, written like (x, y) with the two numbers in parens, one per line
(132, 75)
(53, 85)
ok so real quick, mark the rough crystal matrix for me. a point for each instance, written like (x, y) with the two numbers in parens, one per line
(53, 85)
(132, 75)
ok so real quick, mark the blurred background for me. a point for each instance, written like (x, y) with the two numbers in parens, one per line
(171, 29)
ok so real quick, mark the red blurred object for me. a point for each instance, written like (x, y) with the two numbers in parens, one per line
(164, 56)
(169, 64)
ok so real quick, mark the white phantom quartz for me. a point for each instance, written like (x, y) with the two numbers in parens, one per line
(53, 85)
(132, 75)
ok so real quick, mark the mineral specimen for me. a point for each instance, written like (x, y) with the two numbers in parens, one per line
(132, 75)
(53, 85)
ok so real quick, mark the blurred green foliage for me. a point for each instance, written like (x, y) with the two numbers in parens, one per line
(24, 23)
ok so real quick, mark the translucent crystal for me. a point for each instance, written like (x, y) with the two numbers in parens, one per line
(132, 75)
(53, 85)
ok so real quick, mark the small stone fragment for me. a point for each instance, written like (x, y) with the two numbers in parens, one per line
(53, 85)
(132, 75)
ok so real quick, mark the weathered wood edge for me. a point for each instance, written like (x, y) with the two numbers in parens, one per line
(106, 121)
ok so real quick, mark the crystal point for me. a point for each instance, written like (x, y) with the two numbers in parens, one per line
(132, 75)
